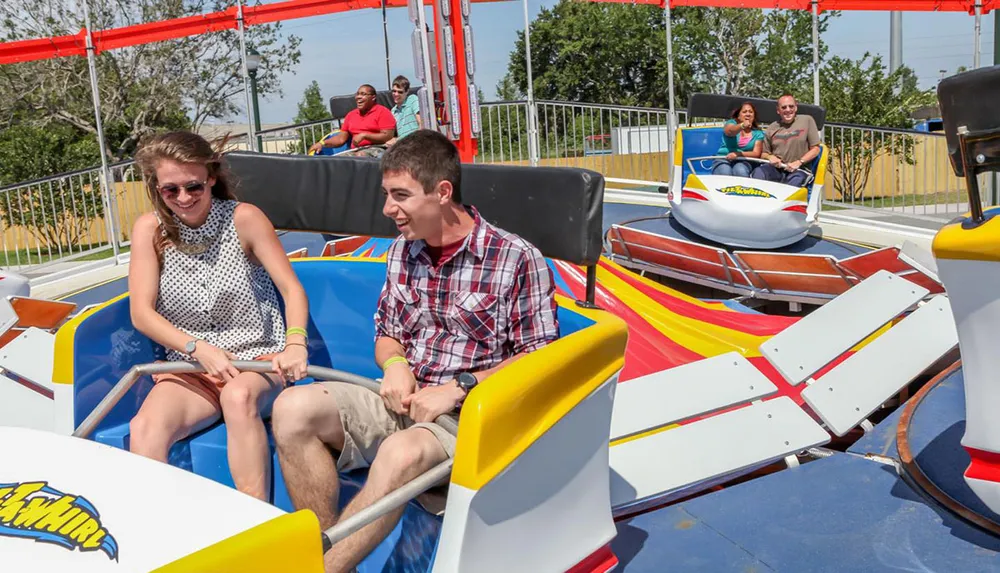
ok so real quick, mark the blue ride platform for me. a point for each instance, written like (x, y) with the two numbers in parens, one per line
(845, 513)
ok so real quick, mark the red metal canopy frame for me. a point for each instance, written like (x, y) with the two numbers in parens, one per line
(229, 19)
(968, 6)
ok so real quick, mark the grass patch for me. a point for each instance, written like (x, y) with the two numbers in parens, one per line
(24, 257)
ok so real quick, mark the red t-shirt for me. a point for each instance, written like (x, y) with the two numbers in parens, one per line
(444, 253)
(378, 118)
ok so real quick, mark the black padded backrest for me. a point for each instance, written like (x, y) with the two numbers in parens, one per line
(560, 210)
(970, 99)
(341, 105)
(722, 107)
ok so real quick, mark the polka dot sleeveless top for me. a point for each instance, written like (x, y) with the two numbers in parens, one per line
(218, 295)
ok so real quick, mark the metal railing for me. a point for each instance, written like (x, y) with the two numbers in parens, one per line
(619, 141)
(894, 175)
(63, 217)
(296, 138)
(895, 172)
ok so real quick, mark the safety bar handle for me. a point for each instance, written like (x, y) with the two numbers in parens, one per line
(123, 385)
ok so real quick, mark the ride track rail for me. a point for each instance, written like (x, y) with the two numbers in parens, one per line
(910, 467)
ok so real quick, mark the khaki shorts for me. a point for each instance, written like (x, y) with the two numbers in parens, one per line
(367, 423)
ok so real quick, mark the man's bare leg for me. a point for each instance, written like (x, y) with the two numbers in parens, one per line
(401, 457)
(305, 421)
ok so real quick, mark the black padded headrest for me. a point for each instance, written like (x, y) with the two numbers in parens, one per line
(341, 105)
(560, 210)
(966, 100)
(723, 106)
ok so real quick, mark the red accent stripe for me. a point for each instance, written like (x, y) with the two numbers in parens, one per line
(30, 385)
(985, 465)
(796, 208)
(601, 561)
(755, 324)
(685, 194)
(648, 350)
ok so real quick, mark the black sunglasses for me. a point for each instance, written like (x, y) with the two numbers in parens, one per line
(192, 188)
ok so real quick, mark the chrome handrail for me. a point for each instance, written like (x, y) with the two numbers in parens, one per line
(811, 176)
(125, 384)
(341, 530)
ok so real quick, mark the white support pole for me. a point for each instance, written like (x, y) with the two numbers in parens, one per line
(815, 22)
(385, 36)
(431, 121)
(252, 142)
(977, 34)
(670, 76)
(895, 41)
(532, 111)
(107, 180)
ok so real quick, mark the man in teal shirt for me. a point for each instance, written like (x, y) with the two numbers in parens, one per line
(407, 109)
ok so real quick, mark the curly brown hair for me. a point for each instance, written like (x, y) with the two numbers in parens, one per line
(183, 147)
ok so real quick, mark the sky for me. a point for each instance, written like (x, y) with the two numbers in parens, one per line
(342, 51)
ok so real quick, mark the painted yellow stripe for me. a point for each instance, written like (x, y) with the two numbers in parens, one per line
(290, 542)
(665, 289)
(513, 408)
(62, 368)
(86, 288)
(700, 337)
(981, 243)
(645, 434)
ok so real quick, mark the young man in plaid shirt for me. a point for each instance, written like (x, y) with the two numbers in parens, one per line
(461, 300)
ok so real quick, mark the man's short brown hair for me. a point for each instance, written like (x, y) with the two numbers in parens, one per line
(429, 157)
(402, 83)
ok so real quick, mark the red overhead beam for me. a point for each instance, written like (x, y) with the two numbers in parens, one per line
(824, 5)
(75, 45)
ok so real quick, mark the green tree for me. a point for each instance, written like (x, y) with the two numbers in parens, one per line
(595, 53)
(46, 107)
(863, 92)
(312, 107)
(177, 83)
(616, 54)
(55, 213)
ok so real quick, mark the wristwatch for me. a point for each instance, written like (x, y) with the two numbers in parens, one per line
(467, 381)
(191, 346)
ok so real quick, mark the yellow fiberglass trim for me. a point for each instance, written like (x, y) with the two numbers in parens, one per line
(980, 243)
(513, 408)
(63, 352)
(820, 174)
(290, 542)
(679, 147)
(694, 183)
(801, 195)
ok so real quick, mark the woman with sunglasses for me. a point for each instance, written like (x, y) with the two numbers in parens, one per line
(204, 279)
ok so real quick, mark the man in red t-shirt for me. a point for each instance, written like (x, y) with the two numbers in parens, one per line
(370, 124)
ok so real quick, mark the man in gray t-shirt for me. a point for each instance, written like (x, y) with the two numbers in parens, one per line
(789, 143)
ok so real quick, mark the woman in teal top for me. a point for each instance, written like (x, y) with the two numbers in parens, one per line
(741, 137)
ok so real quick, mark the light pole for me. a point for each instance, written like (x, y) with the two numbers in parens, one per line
(253, 62)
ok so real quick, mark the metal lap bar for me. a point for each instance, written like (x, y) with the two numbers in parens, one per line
(393, 500)
(389, 502)
(125, 384)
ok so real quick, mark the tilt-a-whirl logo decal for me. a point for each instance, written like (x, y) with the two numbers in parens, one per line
(33, 510)
(744, 191)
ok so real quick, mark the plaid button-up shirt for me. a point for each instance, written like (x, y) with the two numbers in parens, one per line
(492, 299)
